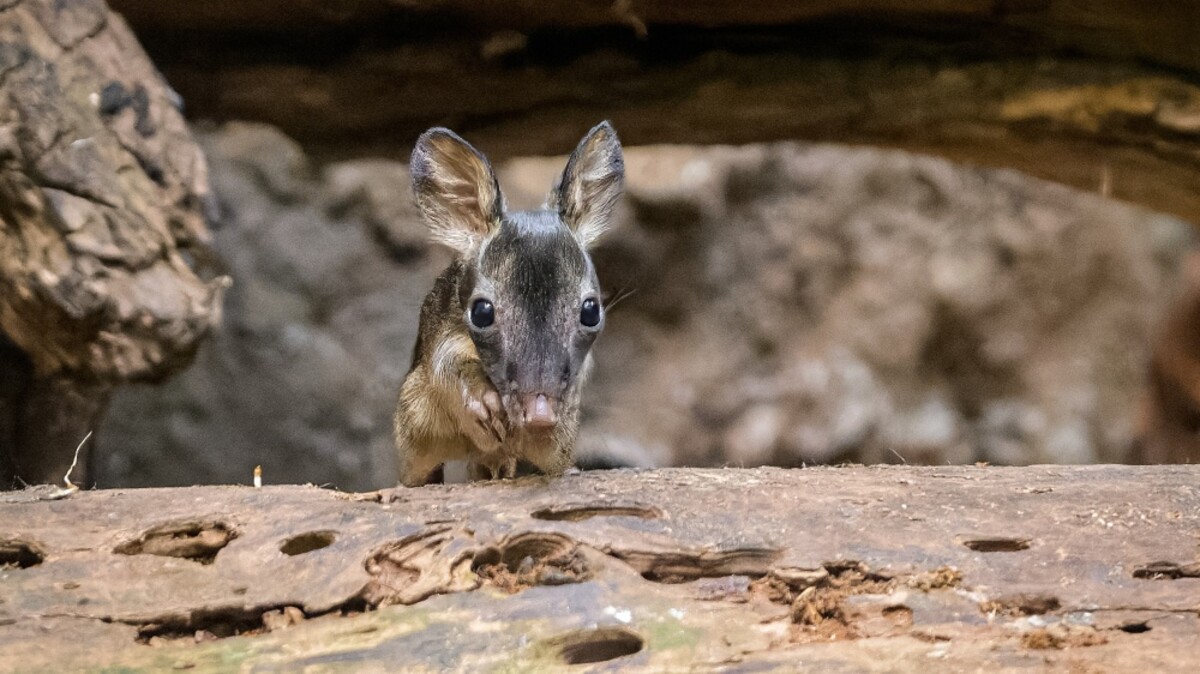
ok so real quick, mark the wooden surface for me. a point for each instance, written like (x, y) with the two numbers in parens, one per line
(1082, 569)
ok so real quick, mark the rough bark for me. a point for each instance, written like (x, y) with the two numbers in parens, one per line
(101, 193)
(835, 569)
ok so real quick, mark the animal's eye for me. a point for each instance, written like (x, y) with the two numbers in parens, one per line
(589, 313)
(483, 313)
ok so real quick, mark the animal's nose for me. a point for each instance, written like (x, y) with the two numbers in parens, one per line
(538, 411)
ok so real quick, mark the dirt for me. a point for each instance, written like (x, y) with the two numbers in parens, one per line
(1021, 605)
(938, 579)
(818, 610)
(1060, 637)
(527, 560)
(530, 572)
(817, 599)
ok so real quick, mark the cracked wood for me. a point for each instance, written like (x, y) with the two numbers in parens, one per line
(979, 568)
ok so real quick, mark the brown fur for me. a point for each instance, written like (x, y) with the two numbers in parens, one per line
(458, 403)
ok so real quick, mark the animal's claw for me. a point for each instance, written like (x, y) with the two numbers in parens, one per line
(486, 417)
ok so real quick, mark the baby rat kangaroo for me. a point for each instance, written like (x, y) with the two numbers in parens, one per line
(504, 337)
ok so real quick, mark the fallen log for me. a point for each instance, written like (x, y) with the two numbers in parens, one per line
(826, 569)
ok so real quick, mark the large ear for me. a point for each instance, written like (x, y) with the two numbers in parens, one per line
(590, 184)
(456, 189)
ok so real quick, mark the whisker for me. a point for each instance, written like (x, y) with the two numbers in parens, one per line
(618, 297)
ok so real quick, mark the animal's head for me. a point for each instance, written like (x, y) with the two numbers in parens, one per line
(530, 300)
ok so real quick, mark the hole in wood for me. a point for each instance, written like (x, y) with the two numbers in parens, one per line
(598, 645)
(998, 544)
(1061, 637)
(218, 623)
(580, 512)
(684, 566)
(1167, 571)
(820, 607)
(531, 559)
(537, 546)
(1135, 628)
(197, 541)
(900, 615)
(19, 555)
(307, 542)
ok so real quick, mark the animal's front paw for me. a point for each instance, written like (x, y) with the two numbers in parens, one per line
(483, 417)
(498, 468)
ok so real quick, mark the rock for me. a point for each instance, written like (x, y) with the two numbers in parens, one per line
(891, 304)
(321, 320)
(790, 304)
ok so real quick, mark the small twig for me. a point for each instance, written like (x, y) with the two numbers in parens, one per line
(74, 461)
(618, 297)
(1106, 180)
(70, 487)
(902, 459)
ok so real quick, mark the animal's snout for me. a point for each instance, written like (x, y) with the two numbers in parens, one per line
(539, 411)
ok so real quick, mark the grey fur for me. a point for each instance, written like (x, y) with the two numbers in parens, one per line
(463, 397)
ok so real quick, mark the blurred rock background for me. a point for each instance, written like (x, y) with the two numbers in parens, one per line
(856, 230)
(787, 304)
